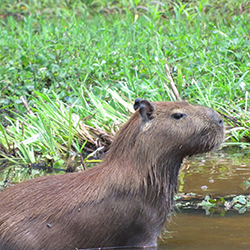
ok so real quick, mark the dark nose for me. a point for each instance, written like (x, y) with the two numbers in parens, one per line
(216, 117)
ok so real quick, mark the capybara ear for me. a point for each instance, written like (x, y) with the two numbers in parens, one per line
(146, 108)
(137, 103)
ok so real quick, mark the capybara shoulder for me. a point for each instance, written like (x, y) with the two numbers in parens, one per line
(124, 200)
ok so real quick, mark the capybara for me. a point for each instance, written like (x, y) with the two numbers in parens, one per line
(124, 200)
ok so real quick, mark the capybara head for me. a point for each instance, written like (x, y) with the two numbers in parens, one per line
(180, 126)
(168, 131)
(124, 200)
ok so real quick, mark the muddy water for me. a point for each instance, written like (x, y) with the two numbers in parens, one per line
(221, 173)
(194, 230)
(217, 174)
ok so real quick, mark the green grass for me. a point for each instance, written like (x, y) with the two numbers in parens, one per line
(74, 59)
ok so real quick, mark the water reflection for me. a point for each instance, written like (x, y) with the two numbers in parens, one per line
(195, 230)
(222, 174)
(217, 174)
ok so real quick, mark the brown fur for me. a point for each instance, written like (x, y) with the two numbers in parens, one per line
(123, 201)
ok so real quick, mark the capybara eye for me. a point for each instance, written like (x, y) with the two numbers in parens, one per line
(178, 116)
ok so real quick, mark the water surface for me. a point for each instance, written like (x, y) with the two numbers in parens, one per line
(216, 174)
(220, 174)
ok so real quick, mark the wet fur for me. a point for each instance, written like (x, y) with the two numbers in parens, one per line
(123, 201)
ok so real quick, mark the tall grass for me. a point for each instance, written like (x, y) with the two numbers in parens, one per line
(75, 59)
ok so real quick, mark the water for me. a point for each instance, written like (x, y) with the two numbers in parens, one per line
(194, 230)
(221, 173)
(216, 174)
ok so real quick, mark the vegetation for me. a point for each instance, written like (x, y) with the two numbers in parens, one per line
(221, 205)
(70, 70)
